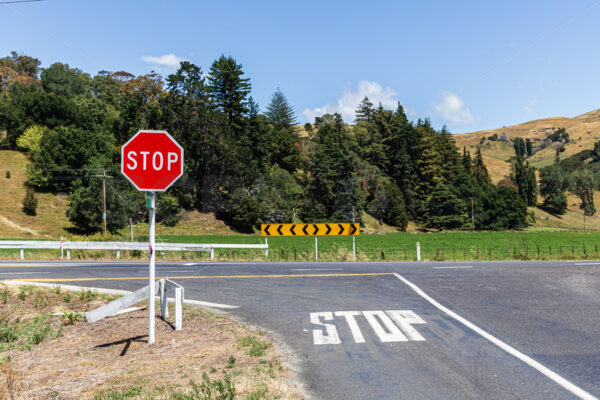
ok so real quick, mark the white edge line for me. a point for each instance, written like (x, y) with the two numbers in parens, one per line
(116, 292)
(458, 267)
(577, 391)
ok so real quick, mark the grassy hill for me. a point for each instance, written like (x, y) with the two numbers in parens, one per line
(51, 221)
(583, 130)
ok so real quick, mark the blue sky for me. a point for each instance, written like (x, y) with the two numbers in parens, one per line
(468, 64)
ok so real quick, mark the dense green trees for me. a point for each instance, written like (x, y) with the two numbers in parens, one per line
(247, 166)
(582, 184)
(553, 184)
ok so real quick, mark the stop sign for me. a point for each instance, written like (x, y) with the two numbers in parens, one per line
(152, 160)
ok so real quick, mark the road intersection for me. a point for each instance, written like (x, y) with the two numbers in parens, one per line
(398, 330)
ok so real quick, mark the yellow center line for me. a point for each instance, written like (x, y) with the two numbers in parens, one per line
(47, 265)
(199, 277)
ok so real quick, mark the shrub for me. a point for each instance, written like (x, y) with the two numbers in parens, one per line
(30, 202)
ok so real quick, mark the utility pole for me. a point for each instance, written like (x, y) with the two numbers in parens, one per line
(472, 217)
(131, 228)
(104, 177)
(353, 237)
(104, 202)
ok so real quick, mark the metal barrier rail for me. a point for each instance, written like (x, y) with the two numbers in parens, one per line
(118, 246)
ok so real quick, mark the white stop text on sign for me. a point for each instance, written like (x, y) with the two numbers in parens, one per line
(154, 159)
(388, 326)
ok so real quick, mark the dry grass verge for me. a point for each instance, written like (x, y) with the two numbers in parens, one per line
(214, 357)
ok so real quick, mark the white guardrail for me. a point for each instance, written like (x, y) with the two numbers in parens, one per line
(118, 246)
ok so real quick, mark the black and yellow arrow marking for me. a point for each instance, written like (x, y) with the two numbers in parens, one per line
(327, 229)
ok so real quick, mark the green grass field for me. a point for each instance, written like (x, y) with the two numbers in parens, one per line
(385, 247)
(402, 246)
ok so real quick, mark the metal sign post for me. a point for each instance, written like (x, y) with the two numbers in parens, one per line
(152, 235)
(152, 161)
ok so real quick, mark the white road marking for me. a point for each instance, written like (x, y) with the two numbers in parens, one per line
(23, 273)
(188, 264)
(352, 324)
(331, 336)
(391, 334)
(577, 391)
(113, 291)
(457, 267)
(168, 270)
(316, 269)
(404, 319)
(163, 271)
(588, 263)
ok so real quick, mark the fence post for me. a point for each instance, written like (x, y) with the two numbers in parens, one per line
(418, 251)
(164, 309)
(178, 309)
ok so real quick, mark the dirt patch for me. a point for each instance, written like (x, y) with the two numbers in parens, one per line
(112, 357)
(15, 226)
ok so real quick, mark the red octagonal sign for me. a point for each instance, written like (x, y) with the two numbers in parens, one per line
(152, 160)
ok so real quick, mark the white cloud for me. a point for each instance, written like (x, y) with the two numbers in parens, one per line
(170, 60)
(348, 103)
(531, 107)
(452, 109)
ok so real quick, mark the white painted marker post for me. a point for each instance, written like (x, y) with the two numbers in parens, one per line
(418, 251)
(316, 250)
(151, 268)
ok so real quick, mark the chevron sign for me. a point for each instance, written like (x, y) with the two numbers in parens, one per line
(329, 229)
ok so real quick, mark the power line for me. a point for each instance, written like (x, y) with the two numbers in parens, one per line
(19, 1)
(530, 45)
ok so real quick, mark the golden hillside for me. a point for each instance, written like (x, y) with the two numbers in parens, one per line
(583, 130)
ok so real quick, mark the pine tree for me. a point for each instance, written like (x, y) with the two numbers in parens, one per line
(466, 161)
(365, 110)
(524, 177)
(228, 88)
(333, 188)
(429, 167)
(479, 170)
(444, 210)
(449, 156)
(529, 147)
(280, 112)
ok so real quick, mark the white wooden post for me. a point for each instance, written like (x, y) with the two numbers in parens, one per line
(212, 253)
(267, 249)
(316, 250)
(152, 234)
(22, 254)
(164, 309)
(418, 251)
(61, 249)
(68, 254)
(353, 237)
(178, 309)
(118, 253)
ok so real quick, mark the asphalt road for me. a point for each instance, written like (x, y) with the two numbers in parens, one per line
(486, 330)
